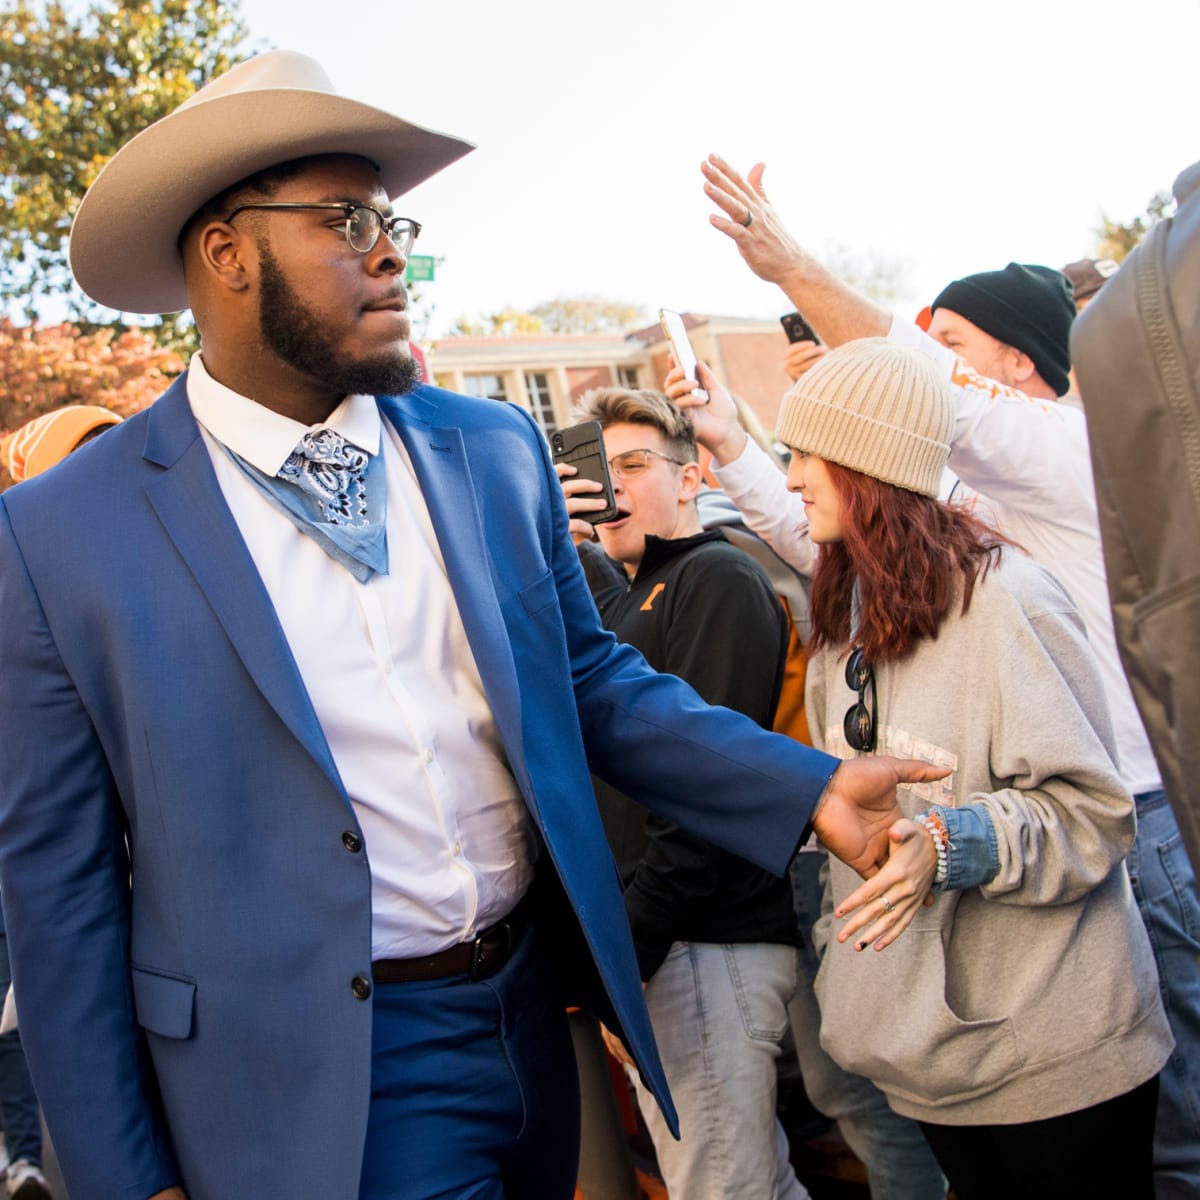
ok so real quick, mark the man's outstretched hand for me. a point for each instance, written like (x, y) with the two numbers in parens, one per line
(745, 216)
(860, 807)
(769, 249)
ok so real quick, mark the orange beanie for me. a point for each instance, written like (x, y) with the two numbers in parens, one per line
(48, 439)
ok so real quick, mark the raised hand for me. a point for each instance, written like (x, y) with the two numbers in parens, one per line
(715, 419)
(747, 218)
(802, 356)
(769, 249)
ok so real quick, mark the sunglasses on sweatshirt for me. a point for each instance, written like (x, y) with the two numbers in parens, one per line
(859, 722)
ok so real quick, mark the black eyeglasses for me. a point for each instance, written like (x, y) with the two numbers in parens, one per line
(859, 724)
(364, 224)
(633, 462)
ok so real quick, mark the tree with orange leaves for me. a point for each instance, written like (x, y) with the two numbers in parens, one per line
(45, 367)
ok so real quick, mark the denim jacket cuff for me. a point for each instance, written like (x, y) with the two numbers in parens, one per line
(974, 854)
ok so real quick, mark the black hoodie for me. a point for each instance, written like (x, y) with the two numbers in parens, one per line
(705, 611)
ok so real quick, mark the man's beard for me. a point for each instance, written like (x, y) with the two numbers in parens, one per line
(296, 334)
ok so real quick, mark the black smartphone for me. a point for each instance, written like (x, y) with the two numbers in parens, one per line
(583, 447)
(797, 328)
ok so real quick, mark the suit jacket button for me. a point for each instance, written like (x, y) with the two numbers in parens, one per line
(352, 841)
(360, 985)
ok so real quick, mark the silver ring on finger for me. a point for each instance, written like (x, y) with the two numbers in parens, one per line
(888, 906)
(749, 219)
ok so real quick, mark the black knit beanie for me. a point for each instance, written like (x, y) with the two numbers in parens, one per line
(1028, 307)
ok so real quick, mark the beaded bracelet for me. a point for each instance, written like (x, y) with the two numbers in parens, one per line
(933, 825)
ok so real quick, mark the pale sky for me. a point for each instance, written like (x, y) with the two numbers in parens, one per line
(951, 135)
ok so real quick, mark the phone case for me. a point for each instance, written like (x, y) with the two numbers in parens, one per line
(797, 328)
(582, 446)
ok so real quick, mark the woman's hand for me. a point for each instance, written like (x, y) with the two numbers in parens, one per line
(880, 910)
(578, 501)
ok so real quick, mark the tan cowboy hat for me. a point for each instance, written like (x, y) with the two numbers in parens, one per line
(267, 110)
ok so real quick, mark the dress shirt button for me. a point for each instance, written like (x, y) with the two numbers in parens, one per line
(458, 847)
(428, 756)
(352, 841)
(360, 985)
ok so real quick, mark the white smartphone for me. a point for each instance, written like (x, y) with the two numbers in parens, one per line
(681, 347)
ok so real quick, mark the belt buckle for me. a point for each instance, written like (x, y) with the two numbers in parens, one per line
(500, 936)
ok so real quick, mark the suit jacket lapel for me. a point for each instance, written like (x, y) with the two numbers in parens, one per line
(192, 509)
(439, 457)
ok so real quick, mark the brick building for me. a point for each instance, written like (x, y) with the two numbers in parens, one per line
(546, 372)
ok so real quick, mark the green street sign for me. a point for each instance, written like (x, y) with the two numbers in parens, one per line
(419, 269)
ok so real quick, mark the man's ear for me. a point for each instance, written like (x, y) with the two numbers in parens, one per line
(1021, 367)
(691, 482)
(225, 256)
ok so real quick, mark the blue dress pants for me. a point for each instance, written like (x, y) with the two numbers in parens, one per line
(474, 1093)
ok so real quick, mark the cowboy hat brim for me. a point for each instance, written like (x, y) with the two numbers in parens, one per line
(123, 246)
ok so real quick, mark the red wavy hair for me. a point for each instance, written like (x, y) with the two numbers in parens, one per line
(910, 556)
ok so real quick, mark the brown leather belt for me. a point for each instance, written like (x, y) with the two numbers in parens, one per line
(477, 959)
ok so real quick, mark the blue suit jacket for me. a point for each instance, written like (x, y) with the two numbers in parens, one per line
(184, 918)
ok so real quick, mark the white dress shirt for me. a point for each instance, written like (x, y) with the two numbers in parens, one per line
(392, 680)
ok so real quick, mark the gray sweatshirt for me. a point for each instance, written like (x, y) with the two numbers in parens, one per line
(1031, 991)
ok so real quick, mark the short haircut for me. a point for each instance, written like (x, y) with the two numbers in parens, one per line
(262, 184)
(628, 406)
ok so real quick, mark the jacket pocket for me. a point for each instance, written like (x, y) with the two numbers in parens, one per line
(539, 594)
(887, 1018)
(164, 1003)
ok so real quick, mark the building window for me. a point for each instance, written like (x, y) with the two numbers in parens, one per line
(486, 387)
(627, 377)
(541, 403)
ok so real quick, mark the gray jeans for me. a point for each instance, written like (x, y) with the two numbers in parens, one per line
(719, 1014)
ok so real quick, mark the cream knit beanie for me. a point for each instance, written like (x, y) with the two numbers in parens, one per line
(876, 408)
